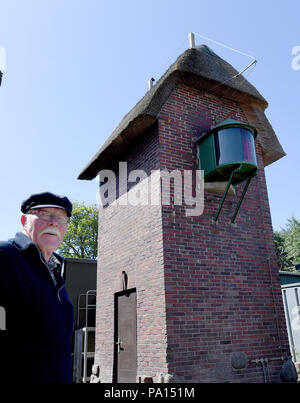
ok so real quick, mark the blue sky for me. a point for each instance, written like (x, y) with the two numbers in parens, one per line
(74, 68)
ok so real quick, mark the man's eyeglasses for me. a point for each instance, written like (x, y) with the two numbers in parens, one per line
(44, 215)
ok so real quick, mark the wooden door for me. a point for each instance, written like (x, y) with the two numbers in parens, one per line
(125, 340)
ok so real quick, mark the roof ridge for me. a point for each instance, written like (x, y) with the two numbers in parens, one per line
(196, 68)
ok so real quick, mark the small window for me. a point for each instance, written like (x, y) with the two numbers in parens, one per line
(235, 145)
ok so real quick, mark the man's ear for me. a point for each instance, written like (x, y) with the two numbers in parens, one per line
(23, 220)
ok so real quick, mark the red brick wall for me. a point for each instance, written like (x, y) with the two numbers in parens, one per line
(222, 282)
(204, 290)
(130, 239)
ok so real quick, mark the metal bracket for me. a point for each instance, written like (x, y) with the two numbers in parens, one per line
(241, 199)
(225, 193)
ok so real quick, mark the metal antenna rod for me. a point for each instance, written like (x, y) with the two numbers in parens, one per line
(192, 40)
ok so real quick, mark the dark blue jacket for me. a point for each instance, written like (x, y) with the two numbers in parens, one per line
(36, 345)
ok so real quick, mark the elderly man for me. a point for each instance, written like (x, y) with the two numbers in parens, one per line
(35, 345)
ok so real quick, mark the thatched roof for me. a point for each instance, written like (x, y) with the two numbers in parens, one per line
(202, 69)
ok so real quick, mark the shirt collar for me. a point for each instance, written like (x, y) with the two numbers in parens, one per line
(23, 242)
(53, 262)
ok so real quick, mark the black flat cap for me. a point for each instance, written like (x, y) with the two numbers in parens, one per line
(47, 199)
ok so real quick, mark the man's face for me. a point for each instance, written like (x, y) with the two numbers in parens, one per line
(46, 234)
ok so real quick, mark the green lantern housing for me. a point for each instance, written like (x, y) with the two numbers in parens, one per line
(227, 153)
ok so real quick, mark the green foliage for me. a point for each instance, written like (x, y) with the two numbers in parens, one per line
(287, 242)
(283, 259)
(292, 240)
(81, 237)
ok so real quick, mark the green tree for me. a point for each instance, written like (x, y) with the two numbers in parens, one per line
(284, 262)
(287, 243)
(292, 241)
(81, 237)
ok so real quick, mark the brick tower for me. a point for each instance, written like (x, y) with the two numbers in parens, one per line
(185, 298)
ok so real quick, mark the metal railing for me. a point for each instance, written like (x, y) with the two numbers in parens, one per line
(86, 313)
